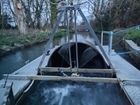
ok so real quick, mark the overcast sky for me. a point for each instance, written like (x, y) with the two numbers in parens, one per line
(84, 8)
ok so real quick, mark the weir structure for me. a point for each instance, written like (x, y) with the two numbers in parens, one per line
(64, 10)
(120, 71)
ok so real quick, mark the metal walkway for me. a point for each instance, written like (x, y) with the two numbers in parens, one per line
(128, 75)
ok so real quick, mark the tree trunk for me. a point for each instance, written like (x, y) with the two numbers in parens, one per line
(71, 15)
(54, 11)
(20, 17)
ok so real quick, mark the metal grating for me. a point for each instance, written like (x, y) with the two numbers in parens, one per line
(133, 91)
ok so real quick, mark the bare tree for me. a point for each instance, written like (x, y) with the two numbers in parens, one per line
(54, 11)
(107, 12)
(33, 10)
(71, 15)
(20, 17)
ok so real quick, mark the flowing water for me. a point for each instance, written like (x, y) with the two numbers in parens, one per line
(75, 93)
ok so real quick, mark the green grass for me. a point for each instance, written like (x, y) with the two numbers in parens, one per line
(12, 40)
(134, 35)
(60, 33)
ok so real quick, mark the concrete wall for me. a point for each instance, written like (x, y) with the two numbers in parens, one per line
(131, 46)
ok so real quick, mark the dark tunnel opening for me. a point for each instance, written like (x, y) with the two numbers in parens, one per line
(88, 57)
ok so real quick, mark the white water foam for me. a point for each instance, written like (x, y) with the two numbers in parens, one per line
(58, 93)
(77, 94)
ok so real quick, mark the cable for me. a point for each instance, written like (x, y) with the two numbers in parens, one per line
(122, 53)
(119, 40)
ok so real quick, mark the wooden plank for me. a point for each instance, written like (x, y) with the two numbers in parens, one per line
(16, 77)
(60, 78)
(81, 70)
(81, 79)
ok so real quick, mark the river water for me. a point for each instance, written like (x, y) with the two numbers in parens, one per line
(16, 60)
(75, 93)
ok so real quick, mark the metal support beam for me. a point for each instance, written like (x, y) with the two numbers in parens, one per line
(51, 37)
(110, 43)
(102, 37)
(77, 63)
(68, 34)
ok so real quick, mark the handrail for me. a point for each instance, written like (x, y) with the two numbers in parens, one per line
(128, 52)
(111, 34)
(122, 31)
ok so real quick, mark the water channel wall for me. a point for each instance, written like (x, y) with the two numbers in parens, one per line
(134, 48)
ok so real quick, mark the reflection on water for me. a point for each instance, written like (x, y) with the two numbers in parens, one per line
(75, 93)
(14, 61)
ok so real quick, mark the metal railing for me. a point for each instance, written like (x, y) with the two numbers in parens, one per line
(111, 34)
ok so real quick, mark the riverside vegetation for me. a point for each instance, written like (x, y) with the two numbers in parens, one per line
(11, 41)
(134, 35)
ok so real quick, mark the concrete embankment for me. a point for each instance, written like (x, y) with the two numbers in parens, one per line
(134, 48)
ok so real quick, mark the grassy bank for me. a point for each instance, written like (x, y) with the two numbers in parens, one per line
(134, 35)
(10, 40)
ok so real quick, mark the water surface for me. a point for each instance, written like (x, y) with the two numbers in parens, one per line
(75, 93)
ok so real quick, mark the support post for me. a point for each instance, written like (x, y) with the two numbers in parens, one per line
(110, 43)
(68, 40)
(77, 63)
(102, 38)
